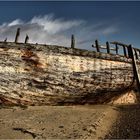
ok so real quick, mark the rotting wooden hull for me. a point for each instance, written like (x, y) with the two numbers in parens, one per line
(51, 75)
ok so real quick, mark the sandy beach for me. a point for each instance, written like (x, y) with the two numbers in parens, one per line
(70, 122)
(57, 122)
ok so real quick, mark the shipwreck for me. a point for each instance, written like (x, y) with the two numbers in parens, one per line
(35, 74)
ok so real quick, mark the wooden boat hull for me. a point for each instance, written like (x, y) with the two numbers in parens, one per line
(50, 75)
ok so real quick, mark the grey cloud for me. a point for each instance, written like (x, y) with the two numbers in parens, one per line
(49, 30)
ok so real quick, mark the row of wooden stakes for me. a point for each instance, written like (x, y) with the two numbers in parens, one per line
(17, 37)
(108, 48)
(98, 47)
(27, 38)
(125, 48)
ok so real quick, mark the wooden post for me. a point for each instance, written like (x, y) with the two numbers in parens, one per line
(17, 35)
(5, 40)
(97, 45)
(135, 67)
(72, 41)
(107, 47)
(26, 39)
(117, 49)
(124, 50)
(129, 52)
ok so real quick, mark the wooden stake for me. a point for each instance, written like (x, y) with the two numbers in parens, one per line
(5, 40)
(97, 45)
(72, 41)
(124, 50)
(17, 35)
(107, 47)
(116, 49)
(26, 39)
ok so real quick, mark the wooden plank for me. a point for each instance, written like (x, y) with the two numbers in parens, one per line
(104, 47)
(119, 43)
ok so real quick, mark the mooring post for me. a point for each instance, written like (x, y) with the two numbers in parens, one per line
(107, 47)
(26, 39)
(135, 67)
(97, 45)
(17, 35)
(72, 41)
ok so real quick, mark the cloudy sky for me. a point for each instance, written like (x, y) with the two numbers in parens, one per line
(54, 22)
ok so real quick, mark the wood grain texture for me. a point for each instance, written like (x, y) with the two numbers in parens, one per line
(50, 75)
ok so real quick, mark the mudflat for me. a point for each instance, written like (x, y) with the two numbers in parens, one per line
(57, 122)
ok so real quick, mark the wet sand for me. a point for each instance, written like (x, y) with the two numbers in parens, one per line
(127, 125)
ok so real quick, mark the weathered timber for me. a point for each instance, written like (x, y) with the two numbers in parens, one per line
(26, 39)
(72, 41)
(107, 47)
(119, 43)
(5, 40)
(33, 74)
(17, 35)
(117, 48)
(124, 50)
(103, 47)
(135, 66)
(97, 45)
(136, 55)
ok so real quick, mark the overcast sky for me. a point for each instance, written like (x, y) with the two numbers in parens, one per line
(54, 22)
